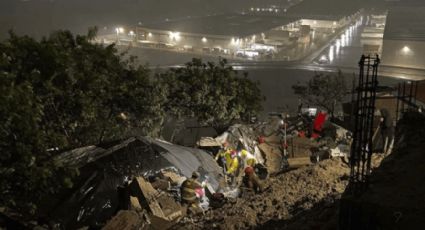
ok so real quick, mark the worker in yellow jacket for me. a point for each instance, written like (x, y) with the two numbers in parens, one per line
(230, 162)
(247, 158)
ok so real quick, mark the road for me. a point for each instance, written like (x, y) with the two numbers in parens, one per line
(277, 77)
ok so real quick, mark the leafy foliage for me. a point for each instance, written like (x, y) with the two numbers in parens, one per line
(323, 90)
(61, 92)
(65, 91)
(212, 93)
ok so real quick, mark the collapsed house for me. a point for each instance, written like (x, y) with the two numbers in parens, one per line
(127, 175)
(285, 142)
(143, 175)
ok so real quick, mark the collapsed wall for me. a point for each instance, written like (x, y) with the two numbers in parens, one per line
(395, 197)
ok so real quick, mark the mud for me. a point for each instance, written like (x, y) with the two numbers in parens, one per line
(287, 195)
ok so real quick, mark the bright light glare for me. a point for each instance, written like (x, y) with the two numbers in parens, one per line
(175, 36)
(204, 39)
(331, 53)
(406, 49)
(119, 30)
(337, 47)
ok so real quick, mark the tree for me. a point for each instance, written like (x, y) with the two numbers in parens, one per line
(212, 93)
(323, 90)
(62, 92)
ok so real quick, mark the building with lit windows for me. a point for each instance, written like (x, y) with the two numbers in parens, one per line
(227, 34)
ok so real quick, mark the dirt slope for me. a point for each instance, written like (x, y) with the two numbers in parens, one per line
(288, 194)
(395, 198)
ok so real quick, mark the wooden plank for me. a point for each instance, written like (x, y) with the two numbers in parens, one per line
(147, 196)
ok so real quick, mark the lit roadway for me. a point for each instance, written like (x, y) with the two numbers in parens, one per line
(341, 53)
(277, 77)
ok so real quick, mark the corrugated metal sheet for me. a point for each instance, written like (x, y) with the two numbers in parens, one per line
(94, 199)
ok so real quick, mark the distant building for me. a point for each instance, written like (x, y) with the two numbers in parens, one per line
(330, 14)
(216, 34)
(373, 34)
(404, 38)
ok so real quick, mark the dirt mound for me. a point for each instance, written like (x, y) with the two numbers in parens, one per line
(286, 196)
(394, 199)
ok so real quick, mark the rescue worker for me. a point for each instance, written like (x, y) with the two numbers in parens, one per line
(189, 190)
(223, 154)
(251, 180)
(247, 158)
(229, 162)
(232, 163)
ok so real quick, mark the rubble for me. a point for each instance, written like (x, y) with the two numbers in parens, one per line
(305, 198)
(126, 220)
(285, 196)
(146, 195)
(273, 156)
(153, 168)
(143, 175)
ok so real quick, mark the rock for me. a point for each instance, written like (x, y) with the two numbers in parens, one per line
(125, 220)
(135, 204)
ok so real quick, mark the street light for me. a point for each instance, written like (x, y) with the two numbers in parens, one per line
(204, 40)
(119, 30)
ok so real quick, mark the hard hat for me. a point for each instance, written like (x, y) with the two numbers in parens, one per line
(233, 154)
(195, 174)
(249, 170)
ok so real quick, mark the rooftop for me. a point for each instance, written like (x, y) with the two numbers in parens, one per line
(325, 9)
(225, 25)
(405, 23)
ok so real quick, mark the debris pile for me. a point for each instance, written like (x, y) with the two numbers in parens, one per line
(139, 174)
(145, 207)
(137, 181)
(286, 195)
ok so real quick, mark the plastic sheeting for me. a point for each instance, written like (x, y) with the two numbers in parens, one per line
(96, 197)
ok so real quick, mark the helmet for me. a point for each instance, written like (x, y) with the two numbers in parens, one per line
(195, 175)
(233, 154)
(249, 170)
